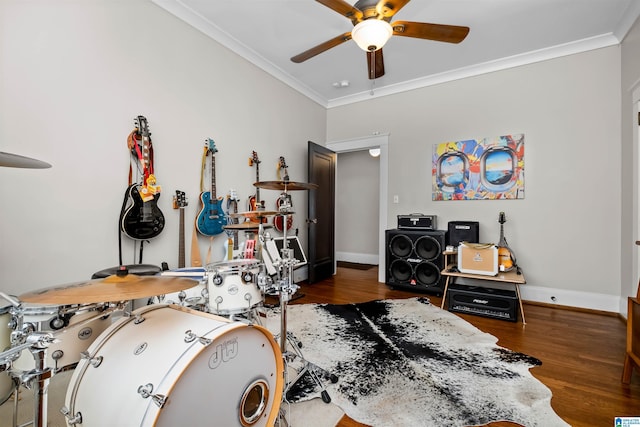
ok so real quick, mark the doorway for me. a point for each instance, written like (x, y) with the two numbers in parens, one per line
(365, 143)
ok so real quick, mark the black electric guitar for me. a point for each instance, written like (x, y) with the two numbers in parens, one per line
(143, 219)
(284, 200)
(211, 219)
(506, 257)
(180, 202)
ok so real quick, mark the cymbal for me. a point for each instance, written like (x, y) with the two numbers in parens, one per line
(247, 225)
(111, 288)
(16, 161)
(253, 214)
(285, 185)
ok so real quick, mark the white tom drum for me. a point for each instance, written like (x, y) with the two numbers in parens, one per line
(74, 328)
(233, 286)
(169, 365)
(195, 297)
(6, 384)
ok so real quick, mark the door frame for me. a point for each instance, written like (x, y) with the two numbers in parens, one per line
(364, 143)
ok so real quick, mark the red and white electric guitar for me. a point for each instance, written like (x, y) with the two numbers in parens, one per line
(284, 200)
(254, 203)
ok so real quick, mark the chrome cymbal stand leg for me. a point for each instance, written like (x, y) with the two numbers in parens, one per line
(288, 288)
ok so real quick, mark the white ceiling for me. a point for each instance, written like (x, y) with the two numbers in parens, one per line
(504, 33)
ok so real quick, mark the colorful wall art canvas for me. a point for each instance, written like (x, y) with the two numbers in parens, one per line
(479, 169)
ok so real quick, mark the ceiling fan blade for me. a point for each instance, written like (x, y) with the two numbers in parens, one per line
(343, 8)
(388, 8)
(375, 60)
(437, 32)
(307, 54)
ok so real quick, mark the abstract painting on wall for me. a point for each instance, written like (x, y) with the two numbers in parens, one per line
(479, 169)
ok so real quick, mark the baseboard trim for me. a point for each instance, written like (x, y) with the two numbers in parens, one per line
(358, 258)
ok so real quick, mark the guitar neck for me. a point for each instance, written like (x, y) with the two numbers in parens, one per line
(213, 178)
(181, 257)
(257, 180)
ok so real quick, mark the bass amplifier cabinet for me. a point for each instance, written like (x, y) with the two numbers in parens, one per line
(414, 260)
(462, 231)
(488, 302)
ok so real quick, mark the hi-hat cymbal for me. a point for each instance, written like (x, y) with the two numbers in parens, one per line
(247, 225)
(15, 161)
(112, 288)
(253, 214)
(285, 185)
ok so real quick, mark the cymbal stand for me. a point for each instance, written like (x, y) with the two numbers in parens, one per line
(286, 289)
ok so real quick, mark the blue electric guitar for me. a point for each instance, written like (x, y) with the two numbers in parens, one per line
(211, 218)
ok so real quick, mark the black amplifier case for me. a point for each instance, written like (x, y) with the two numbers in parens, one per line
(488, 302)
(463, 231)
(417, 221)
(414, 260)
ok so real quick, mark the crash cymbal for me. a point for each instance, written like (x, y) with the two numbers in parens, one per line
(247, 225)
(15, 161)
(253, 214)
(112, 288)
(285, 185)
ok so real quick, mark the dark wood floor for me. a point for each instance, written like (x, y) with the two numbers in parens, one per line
(581, 352)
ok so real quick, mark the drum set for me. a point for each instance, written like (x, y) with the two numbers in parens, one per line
(196, 353)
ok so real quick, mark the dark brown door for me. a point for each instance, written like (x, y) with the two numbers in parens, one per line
(321, 212)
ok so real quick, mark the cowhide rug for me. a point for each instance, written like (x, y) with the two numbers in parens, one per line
(409, 363)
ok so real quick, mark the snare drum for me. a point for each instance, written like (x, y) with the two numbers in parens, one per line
(168, 365)
(6, 384)
(74, 328)
(233, 286)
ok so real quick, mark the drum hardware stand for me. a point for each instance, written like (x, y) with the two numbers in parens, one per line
(36, 379)
(286, 289)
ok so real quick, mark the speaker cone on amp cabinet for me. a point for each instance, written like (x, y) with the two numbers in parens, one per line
(401, 246)
(428, 248)
(414, 259)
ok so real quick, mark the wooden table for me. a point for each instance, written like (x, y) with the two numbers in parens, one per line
(503, 277)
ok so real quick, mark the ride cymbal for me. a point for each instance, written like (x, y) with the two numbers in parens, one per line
(253, 214)
(15, 161)
(112, 288)
(285, 185)
(247, 225)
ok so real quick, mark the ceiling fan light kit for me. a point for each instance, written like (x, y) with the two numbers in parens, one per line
(371, 34)
(372, 30)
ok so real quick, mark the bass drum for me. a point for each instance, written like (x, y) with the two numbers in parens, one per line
(73, 332)
(233, 286)
(169, 365)
(6, 383)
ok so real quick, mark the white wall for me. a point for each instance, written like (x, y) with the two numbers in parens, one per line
(357, 207)
(565, 232)
(74, 75)
(630, 189)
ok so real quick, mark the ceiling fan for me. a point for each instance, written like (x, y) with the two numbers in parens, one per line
(372, 30)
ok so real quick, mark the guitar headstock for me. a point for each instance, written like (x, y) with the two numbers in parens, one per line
(254, 159)
(180, 200)
(210, 145)
(143, 126)
(502, 218)
(282, 165)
